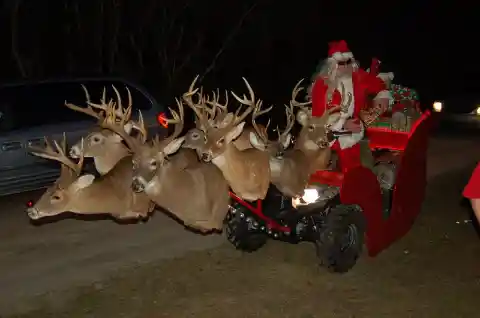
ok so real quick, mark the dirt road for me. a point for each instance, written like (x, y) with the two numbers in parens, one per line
(38, 259)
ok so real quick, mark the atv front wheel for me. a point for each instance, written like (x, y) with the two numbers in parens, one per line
(240, 233)
(340, 238)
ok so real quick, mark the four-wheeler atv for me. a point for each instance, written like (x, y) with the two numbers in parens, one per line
(374, 203)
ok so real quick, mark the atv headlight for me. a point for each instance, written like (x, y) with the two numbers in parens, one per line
(314, 194)
(437, 106)
(310, 195)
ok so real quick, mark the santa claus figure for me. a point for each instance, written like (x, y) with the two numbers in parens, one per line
(341, 75)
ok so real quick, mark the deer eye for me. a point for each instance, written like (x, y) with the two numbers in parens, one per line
(56, 197)
(95, 139)
(195, 136)
(311, 128)
(153, 164)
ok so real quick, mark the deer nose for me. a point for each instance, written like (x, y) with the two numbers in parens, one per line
(33, 213)
(137, 186)
(206, 157)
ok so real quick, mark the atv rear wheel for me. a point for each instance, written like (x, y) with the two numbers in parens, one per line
(340, 238)
(240, 233)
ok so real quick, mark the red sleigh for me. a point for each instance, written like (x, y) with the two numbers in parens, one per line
(407, 153)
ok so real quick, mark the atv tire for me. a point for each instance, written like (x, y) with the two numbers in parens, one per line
(340, 238)
(241, 236)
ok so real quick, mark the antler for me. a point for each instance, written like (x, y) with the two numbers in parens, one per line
(245, 101)
(198, 107)
(215, 102)
(89, 109)
(297, 89)
(59, 154)
(178, 121)
(290, 122)
(262, 133)
(116, 118)
(218, 111)
(101, 108)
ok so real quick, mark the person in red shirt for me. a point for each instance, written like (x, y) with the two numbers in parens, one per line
(472, 191)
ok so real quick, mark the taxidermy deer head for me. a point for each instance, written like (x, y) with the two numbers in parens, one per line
(197, 195)
(247, 171)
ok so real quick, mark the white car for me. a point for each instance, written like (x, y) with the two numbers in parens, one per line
(30, 111)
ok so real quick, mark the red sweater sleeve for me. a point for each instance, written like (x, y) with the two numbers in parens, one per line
(375, 84)
(472, 190)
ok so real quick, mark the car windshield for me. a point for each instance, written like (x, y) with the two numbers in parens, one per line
(27, 106)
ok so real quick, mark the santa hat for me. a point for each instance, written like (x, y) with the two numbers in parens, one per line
(339, 51)
(375, 66)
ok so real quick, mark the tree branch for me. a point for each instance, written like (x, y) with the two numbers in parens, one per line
(137, 50)
(193, 52)
(229, 38)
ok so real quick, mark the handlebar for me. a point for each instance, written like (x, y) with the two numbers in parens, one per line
(332, 135)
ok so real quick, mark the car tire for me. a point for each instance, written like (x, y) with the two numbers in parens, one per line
(340, 238)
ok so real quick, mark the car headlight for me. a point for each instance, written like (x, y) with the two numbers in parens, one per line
(477, 111)
(437, 106)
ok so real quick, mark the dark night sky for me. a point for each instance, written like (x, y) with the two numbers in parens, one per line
(425, 43)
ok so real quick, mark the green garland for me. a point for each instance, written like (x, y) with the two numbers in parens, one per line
(400, 92)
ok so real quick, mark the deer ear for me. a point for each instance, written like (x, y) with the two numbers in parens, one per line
(302, 118)
(256, 142)
(234, 133)
(286, 141)
(82, 182)
(173, 146)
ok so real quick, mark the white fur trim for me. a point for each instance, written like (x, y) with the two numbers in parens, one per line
(337, 56)
(340, 122)
(386, 76)
(384, 94)
(348, 141)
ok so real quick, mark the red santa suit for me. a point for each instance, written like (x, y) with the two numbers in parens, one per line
(374, 66)
(360, 85)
